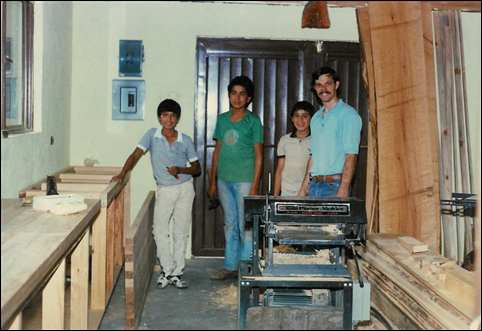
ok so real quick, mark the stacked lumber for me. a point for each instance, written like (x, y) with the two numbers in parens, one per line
(89, 182)
(417, 290)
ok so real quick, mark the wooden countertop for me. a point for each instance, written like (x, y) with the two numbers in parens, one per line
(32, 244)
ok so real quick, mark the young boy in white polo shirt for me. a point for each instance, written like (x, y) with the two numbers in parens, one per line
(170, 151)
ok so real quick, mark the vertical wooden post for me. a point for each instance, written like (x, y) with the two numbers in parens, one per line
(99, 228)
(368, 74)
(79, 286)
(53, 300)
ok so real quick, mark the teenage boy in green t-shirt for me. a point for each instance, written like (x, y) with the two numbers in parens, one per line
(236, 169)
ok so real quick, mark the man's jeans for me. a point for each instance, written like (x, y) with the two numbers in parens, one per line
(323, 189)
(238, 242)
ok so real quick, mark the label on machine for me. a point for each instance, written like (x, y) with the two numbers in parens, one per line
(310, 209)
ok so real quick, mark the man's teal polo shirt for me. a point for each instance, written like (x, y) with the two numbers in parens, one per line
(333, 135)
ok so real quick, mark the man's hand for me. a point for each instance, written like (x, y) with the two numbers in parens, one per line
(253, 190)
(343, 191)
(212, 191)
(173, 171)
(302, 192)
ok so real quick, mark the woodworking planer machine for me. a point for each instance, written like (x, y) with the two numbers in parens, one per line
(333, 224)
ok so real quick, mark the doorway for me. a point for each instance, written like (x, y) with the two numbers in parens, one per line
(281, 72)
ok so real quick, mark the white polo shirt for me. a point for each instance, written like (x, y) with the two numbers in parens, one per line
(164, 155)
(296, 152)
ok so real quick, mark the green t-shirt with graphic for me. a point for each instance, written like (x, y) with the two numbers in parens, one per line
(237, 156)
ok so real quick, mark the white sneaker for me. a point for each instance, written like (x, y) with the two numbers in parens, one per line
(162, 281)
(178, 282)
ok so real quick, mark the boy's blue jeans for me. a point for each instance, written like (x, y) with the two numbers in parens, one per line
(323, 189)
(238, 243)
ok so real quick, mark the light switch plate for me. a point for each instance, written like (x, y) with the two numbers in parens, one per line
(128, 99)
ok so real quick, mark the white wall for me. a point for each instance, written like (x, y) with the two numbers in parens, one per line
(169, 31)
(28, 158)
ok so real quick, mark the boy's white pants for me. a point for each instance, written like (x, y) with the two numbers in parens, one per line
(173, 204)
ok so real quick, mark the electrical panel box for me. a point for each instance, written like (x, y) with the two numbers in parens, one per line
(128, 99)
(131, 57)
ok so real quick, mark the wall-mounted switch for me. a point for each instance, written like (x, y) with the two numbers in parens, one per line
(128, 99)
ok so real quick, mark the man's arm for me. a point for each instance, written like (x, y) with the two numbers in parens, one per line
(277, 177)
(212, 191)
(348, 172)
(258, 168)
(129, 164)
(306, 181)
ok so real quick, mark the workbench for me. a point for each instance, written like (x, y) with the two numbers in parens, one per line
(34, 247)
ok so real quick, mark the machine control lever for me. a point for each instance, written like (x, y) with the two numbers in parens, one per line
(360, 277)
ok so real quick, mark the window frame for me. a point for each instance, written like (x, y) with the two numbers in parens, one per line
(27, 71)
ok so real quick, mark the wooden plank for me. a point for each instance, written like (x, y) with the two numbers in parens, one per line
(140, 255)
(412, 245)
(97, 170)
(469, 6)
(99, 233)
(446, 134)
(409, 196)
(36, 186)
(368, 74)
(427, 270)
(110, 244)
(79, 286)
(77, 187)
(85, 178)
(53, 300)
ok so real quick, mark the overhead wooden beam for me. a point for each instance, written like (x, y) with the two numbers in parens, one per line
(315, 15)
(471, 6)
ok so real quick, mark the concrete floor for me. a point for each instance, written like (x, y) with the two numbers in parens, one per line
(205, 305)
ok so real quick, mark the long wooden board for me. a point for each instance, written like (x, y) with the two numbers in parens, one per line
(140, 256)
(406, 121)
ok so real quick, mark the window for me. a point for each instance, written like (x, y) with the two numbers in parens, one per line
(17, 45)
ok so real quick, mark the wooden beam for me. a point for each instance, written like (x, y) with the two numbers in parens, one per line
(98, 292)
(140, 256)
(412, 245)
(470, 6)
(53, 300)
(406, 122)
(368, 74)
(79, 285)
(315, 15)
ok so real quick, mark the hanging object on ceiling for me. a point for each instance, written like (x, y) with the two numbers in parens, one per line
(315, 15)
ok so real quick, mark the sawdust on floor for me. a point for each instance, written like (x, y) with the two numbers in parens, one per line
(225, 296)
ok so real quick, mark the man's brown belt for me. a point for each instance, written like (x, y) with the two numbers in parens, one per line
(327, 178)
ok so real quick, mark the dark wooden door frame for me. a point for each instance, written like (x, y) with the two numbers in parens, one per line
(343, 56)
